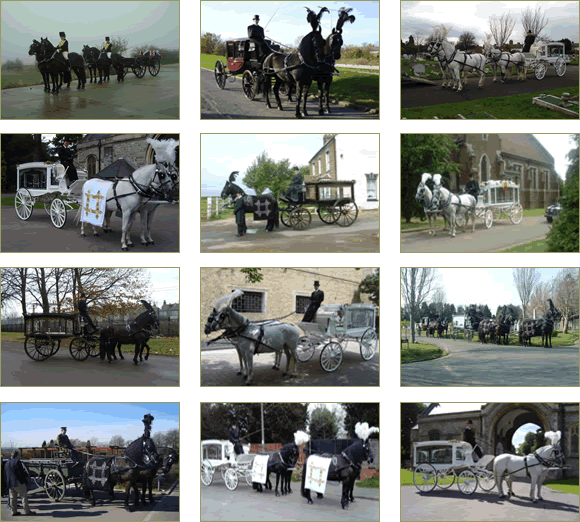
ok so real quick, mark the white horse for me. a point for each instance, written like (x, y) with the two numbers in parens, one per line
(425, 196)
(452, 205)
(535, 466)
(445, 72)
(503, 61)
(148, 184)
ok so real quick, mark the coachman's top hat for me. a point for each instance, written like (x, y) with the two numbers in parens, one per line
(61, 34)
(316, 283)
(106, 38)
(83, 296)
(256, 18)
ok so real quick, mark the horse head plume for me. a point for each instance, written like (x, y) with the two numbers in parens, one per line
(145, 304)
(425, 177)
(553, 436)
(445, 31)
(551, 304)
(164, 150)
(233, 176)
(437, 179)
(300, 437)
(226, 300)
(363, 431)
(314, 19)
(344, 17)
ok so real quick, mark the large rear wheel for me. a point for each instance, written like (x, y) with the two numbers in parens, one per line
(346, 211)
(516, 214)
(206, 473)
(331, 357)
(327, 215)
(154, 66)
(560, 66)
(55, 485)
(445, 478)
(219, 73)
(79, 349)
(23, 203)
(38, 347)
(250, 85)
(368, 344)
(425, 478)
(58, 213)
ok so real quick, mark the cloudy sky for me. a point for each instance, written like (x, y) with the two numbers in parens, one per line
(85, 22)
(558, 145)
(421, 17)
(288, 20)
(29, 424)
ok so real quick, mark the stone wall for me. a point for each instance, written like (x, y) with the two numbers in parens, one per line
(132, 147)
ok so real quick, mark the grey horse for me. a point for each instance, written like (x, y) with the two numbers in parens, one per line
(252, 338)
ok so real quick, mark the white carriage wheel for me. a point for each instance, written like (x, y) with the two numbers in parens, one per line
(460, 220)
(231, 479)
(368, 344)
(488, 218)
(467, 482)
(445, 478)
(485, 479)
(425, 478)
(305, 349)
(58, 213)
(331, 357)
(540, 70)
(23, 203)
(47, 204)
(560, 66)
(516, 214)
(55, 485)
(207, 472)
(248, 475)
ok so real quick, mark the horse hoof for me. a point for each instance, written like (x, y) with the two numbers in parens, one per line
(239, 373)
(136, 363)
(147, 358)
(310, 501)
(151, 242)
(298, 115)
(130, 245)
(95, 235)
(277, 494)
(535, 500)
(124, 249)
(321, 112)
(274, 368)
(144, 243)
(83, 235)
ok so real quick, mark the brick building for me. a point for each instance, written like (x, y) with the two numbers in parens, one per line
(131, 147)
(282, 291)
(346, 157)
(494, 425)
(520, 158)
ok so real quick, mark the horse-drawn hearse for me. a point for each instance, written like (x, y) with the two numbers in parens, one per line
(218, 455)
(542, 56)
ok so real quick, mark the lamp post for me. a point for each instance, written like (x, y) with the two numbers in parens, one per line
(99, 145)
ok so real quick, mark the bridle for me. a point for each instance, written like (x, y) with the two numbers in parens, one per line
(167, 174)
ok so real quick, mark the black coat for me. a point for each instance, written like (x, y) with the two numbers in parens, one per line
(469, 436)
(83, 308)
(316, 299)
(65, 154)
(255, 32)
(235, 440)
(15, 473)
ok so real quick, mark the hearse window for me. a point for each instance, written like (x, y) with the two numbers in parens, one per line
(33, 178)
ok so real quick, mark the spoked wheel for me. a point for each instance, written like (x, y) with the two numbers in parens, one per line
(425, 478)
(248, 475)
(331, 357)
(47, 203)
(250, 85)
(368, 344)
(154, 66)
(300, 218)
(39, 347)
(219, 73)
(304, 349)
(488, 216)
(460, 220)
(79, 349)
(327, 215)
(467, 482)
(346, 211)
(55, 485)
(139, 67)
(560, 66)
(231, 478)
(285, 217)
(58, 213)
(445, 478)
(540, 70)
(516, 214)
(485, 479)
(94, 346)
(206, 473)
(23, 203)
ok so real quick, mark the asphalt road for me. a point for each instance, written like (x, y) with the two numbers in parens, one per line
(476, 364)
(451, 505)
(501, 235)
(231, 103)
(151, 97)
(17, 369)
(420, 95)
(362, 236)
(219, 368)
(72, 507)
(219, 503)
(39, 235)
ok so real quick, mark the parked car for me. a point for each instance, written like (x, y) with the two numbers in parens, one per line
(553, 211)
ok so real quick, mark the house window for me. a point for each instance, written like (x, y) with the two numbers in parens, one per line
(372, 187)
(109, 152)
(249, 302)
(547, 179)
(327, 160)
(573, 438)
(92, 166)
(319, 165)
(484, 137)
(302, 302)
(434, 434)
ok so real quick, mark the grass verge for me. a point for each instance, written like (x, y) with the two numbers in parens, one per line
(369, 483)
(9, 202)
(537, 245)
(30, 75)
(222, 214)
(564, 485)
(420, 351)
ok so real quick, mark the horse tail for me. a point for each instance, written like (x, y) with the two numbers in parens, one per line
(303, 483)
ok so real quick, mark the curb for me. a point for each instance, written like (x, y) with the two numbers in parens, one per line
(446, 354)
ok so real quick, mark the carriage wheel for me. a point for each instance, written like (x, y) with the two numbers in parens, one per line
(285, 217)
(300, 218)
(467, 482)
(249, 85)
(154, 66)
(488, 216)
(58, 213)
(55, 347)
(304, 349)
(368, 344)
(248, 475)
(516, 214)
(425, 478)
(139, 68)
(460, 220)
(79, 349)
(206, 473)
(55, 485)
(38, 348)
(327, 215)
(540, 70)
(47, 203)
(485, 479)
(94, 346)
(219, 73)
(346, 211)
(24, 204)
(560, 66)
(469, 335)
(445, 478)
(231, 478)
(331, 357)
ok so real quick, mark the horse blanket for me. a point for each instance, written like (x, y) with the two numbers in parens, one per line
(317, 473)
(260, 468)
(94, 201)
(262, 206)
(99, 472)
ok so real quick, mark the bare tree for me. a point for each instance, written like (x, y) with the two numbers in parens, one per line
(439, 298)
(566, 294)
(420, 39)
(501, 28)
(417, 284)
(466, 40)
(534, 21)
(525, 280)
(117, 440)
(539, 299)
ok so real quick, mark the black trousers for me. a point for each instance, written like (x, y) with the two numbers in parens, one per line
(89, 320)
(71, 172)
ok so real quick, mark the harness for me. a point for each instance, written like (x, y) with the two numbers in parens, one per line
(452, 59)
(509, 60)
(445, 204)
(541, 462)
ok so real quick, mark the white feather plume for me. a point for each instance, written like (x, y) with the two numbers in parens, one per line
(553, 436)
(164, 150)
(226, 300)
(437, 179)
(363, 431)
(424, 177)
(300, 437)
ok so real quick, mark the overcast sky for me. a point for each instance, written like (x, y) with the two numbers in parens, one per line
(287, 20)
(558, 145)
(85, 22)
(421, 17)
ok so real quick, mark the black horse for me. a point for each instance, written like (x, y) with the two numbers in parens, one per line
(59, 67)
(282, 462)
(137, 332)
(296, 68)
(345, 468)
(91, 56)
(543, 327)
(504, 325)
(41, 63)
(168, 456)
(265, 206)
(138, 462)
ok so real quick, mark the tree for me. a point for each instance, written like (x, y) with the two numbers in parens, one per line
(58, 140)
(410, 412)
(566, 294)
(323, 423)
(212, 44)
(525, 280)
(253, 275)
(423, 153)
(532, 442)
(534, 21)
(117, 440)
(370, 285)
(360, 412)
(539, 298)
(466, 40)
(501, 28)
(416, 287)
(120, 45)
(564, 234)
(172, 438)
(266, 173)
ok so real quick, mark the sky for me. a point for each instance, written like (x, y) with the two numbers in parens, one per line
(29, 424)
(558, 145)
(285, 21)
(421, 17)
(85, 22)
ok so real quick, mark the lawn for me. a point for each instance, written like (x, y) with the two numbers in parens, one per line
(516, 107)
(30, 75)
(229, 212)
(538, 245)
(369, 483)
(420, 351)
(564, 485)
(9, 202)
